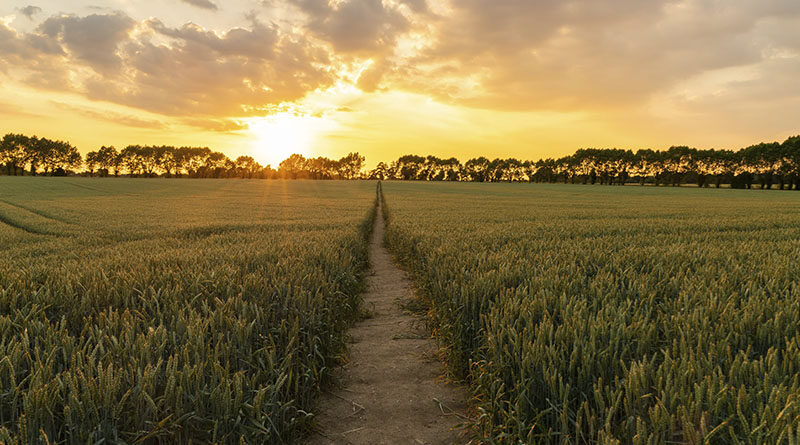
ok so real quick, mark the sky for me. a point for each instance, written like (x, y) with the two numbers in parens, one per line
(499, 78)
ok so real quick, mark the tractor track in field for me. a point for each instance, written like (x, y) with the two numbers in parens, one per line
(391, 389)
(38, 212)
(11, 223)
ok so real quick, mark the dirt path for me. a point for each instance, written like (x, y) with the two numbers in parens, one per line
(392, 390)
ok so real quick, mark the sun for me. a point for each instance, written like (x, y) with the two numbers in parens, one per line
(279, 135)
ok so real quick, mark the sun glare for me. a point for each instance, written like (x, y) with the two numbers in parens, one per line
(282, 134)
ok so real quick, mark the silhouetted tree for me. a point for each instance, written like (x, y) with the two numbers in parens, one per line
(350, 166)
(767, 163)
(477, 169)
(91, 162)
(130, 158)
(292, 166)
(246, 167)
(380, 172)
(408, 167)
(791, 155)
(14, 152)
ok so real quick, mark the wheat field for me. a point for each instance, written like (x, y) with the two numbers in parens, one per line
(611, 315)
(173, 311)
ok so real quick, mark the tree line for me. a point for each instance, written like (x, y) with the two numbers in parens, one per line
(20, 154)
(765, 164)
(18, 151)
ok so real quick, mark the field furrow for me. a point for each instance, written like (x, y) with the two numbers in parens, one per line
(12, 217)
(38, 212)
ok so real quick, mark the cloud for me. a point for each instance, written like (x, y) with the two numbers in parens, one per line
(582, 54)
(205, 4)
(258, 42)
(204, 73)
(201, 74)
(418, 6)
(10, 44)
(356, 26)
(110, 116)
(549, 55)
(16, 111)
(187, 71)
(93, 39)
(30, 11)
(218, 125)
(764, 101)
(371, 78)
(40, 55)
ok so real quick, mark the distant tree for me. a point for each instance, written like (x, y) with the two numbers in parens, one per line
(37, 152)
(757, 163)
(583, 163)
(545, 170)
(791, 155)
(149, 158)
(765, 163)
(408, 167)
(452, 169)
(69, 158)
(229, 169)
(380, 172)
(194, 158)
(130, 158)
(166, 159)
(430, 169)
(680, 160)
(723, 166)
(180, 160)
(246, 167)
(14, 152)
(292, 166)
(215, 166)
(477, 169)
(105, 158)
(91, 162)
(351, 165)
(56, 157)
(322, 168)
(648, 163)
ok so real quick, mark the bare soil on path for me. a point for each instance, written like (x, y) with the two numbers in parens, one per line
(391, 389)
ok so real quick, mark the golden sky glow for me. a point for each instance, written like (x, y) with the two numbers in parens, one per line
(500, 78)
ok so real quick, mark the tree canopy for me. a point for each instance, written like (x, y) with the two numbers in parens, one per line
(764, 164)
